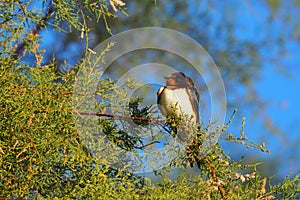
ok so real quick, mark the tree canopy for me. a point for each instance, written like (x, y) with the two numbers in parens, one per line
(43, 151)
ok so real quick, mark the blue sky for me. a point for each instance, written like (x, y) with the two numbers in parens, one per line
(278, 85)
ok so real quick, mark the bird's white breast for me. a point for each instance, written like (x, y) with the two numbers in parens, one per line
(178, 97)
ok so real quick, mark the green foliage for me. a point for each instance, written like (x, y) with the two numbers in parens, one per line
(288, 189)
(44, 153)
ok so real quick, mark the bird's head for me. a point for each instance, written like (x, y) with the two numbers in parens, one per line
(176, 79)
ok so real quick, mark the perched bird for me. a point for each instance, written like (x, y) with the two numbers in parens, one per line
(179, 96)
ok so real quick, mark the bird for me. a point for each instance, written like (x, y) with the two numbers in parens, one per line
(179, 94)
(177, 98)
(180, 97)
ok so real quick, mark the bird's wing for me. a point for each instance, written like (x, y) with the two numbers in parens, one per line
(197, 95)
(194, 99)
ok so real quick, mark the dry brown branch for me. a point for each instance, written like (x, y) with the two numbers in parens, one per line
(122, 117)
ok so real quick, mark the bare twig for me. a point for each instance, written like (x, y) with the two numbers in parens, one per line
(122, 117)
(146, 145)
